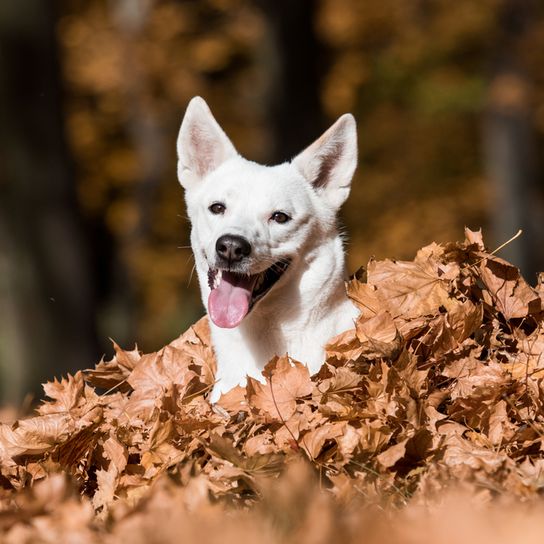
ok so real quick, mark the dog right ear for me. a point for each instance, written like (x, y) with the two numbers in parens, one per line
(202, 145)
(329, 163)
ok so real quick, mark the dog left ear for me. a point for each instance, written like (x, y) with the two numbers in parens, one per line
(202, 144)
(329, 163)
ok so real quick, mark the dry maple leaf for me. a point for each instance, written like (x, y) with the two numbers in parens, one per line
(411, 450)
(257, 463)
(117, 453)
(313, 441)
(158, 371)
(197, 334)
(157, 374)
(106, 484)
(528, 362)
(393, 454)
(337, 380)
(470, 374)
(73, 453)
(475, 238)
(66, 394)
(110, 374)
(379, 337)
(286, 381)
(461, 453)
(511, 294)
(465, 318)
(287, 436)
(234, 400)
(367, 297)
(412, 289)
(345, 347)
(39, 434)
(501, 429)
(260, 444)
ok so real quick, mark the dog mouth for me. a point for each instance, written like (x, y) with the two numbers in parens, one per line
(234, 294)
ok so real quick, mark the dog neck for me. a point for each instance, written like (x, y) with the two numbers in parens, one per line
(314, 290)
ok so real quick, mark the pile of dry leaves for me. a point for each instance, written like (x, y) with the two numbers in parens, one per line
(438, 386)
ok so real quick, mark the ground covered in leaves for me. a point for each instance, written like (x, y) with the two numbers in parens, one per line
(437, 390)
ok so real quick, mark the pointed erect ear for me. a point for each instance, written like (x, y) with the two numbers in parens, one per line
(329, 163)
(202, 145)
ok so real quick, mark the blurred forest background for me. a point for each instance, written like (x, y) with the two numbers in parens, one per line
(449, 98)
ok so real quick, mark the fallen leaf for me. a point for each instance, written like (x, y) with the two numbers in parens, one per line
(379, 337)
(411, 289)
(286, 381)
(313, 441)
(512, 295)
(393, 454)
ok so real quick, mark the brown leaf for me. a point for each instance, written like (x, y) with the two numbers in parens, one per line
(36, 435)
(393, 454)
(66, 394)
(197, 334)
(127, 359)
(116, 453)
(349, 440)
(109, 374)
(412, 289)
(512, 295)
(465, 318)
(462, 453)
(234, 401)
(156, 375)
(500, 427)
(379, 336)
(470, 373)
(529, 361)
(313, 441)
(286, 381)
(106, 485)
(474, 238)
(224, 448)
(261, 444)
(345, 347)
(341, 379)
(288, 434)
(374, 435)
(365, 296)
(158, 371)
(72, 453)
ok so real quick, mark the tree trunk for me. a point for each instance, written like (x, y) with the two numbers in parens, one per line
(510, 143)
(294, 64)
(47, 287)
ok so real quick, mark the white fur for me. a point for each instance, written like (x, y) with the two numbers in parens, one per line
(308, 305)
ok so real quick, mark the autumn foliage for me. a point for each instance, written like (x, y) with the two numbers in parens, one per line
(437, 390)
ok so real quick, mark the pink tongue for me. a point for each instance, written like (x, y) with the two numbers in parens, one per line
(228, 303)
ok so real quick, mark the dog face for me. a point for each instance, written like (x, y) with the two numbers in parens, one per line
(252, 223)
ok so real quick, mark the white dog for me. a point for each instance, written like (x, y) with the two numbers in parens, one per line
(268, 253)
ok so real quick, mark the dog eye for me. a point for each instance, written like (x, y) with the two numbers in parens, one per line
(280, 217)
(217, 208)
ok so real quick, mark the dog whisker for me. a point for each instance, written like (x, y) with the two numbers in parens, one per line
(191, 274)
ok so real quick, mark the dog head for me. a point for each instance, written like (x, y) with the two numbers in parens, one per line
(251, 223)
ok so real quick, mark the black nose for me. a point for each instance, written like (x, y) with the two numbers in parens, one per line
(232, 248)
